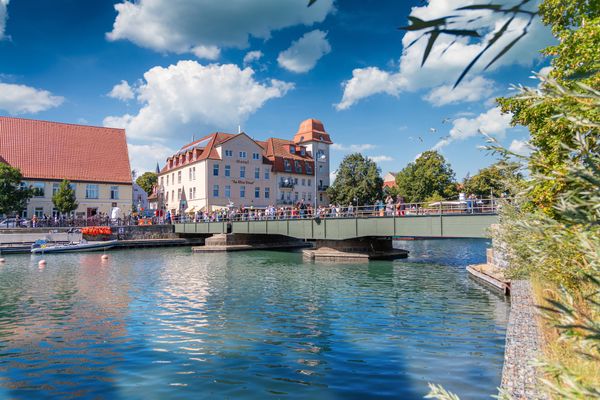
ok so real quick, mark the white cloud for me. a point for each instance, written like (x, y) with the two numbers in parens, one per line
(520, 147)
(207, 52)
(189, 97)
(143, 157)
(352, 147)
(122, 91)
(252, 56)
(472, 90)
(447, 59)
(303, 54)
(379, 159)
(492, 122)
(204, 26)
(3, 16)
(21, 99)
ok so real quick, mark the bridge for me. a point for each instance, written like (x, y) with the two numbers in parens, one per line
(345, 237)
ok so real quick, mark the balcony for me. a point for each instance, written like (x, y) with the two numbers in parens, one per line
(286, 184)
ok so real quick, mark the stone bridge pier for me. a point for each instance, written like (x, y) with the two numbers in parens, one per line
(357, 249)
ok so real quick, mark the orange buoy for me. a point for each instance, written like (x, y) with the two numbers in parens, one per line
(42, 263)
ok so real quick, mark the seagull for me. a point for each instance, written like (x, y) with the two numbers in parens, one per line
(421, 139)
(444, 137)
(446, 120)
(432, 130)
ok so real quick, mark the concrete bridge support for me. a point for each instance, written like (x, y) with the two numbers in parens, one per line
(225, 242)
(359, 249)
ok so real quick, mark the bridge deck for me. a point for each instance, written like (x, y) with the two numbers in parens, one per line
(434, 226)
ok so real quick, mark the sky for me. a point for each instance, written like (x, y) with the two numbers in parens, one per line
(168, 71)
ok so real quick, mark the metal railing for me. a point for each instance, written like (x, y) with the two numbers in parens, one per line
(78, 222)
(306, 211)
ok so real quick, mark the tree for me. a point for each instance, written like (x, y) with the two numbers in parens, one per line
(428, 178)
(13, 194)
(147, 181)
(495, 180)
(64, 199)
(358, 181)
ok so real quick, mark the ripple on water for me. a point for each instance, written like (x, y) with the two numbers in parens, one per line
(171, 324)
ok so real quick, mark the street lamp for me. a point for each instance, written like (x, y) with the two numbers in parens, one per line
(321, 157)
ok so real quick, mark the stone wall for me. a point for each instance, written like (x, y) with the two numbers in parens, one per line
(137, 232)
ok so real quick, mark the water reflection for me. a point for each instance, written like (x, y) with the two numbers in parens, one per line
(170, 324)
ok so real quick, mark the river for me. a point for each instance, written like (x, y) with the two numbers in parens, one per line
(168, 324)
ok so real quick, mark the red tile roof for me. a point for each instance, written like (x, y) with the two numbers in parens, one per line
(312, 130)
(53, 150)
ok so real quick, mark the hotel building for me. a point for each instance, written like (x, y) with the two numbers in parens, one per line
(94, 159)
(224, 169)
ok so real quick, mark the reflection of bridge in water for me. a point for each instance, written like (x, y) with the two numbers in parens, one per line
(346, 237)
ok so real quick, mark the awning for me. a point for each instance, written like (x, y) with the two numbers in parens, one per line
(190, 209)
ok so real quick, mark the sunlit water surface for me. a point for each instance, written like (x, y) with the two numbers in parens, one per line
(162, 324)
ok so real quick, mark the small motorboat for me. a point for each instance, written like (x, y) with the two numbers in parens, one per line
(42, 247)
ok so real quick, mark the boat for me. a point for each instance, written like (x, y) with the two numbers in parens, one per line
(42, 247)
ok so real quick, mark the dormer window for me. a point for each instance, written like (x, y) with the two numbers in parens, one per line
(287, 165)
(302, 151)
(292, 149)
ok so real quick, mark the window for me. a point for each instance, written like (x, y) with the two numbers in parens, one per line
(295, 196)
(228, 191)
(295, 181)
(216, 170)
(242, 191)
(172, 195)
(190, 174)
(73, 187)
(255, 156)
(287, 165)
(257, 173)
(292, 150)
(191, 194)
(228, 170)
(298, 166)
(114, 193)
(228, 153)
(178, 176)
(173, 178)
(38, 212)
(309, 197)
(179, 194)
(39, 189)
(242, 172)
(91, 191)
(167, 180)
(320, 155)
(216, 191)
(303, 182)
(162, 180)
(308, 168)
(194, 173)
(167, 197)
(267, 173)
(242, 154)
(194, 193)
(267, 192)
(55, 187)
(257, 192)
(308, 182)
(302, 151)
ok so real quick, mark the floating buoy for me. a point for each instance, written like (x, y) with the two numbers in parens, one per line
(104, 257)
(42, 263)
(2, 260)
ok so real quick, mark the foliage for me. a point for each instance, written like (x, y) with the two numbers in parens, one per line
(13, 194)
(495, 180)
(428, 177)
(147, 181)
(64, 199)
(358, 181)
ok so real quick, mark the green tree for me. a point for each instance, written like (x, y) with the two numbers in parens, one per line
(429, 177)
(147, 181)
(495, 180)
(358, 181)
(64, 199)
(13, 194)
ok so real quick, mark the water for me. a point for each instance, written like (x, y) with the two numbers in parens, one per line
(161, 324)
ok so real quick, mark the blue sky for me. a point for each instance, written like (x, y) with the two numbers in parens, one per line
(167, 70)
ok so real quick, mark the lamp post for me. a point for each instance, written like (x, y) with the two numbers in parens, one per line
(321, 158)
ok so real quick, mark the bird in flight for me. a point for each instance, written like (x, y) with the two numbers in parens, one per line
(432, 130)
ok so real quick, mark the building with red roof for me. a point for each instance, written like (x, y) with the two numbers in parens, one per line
(94, 159)
(221, 169)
